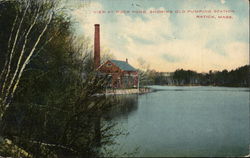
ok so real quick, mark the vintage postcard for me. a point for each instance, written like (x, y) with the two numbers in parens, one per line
(124, 78)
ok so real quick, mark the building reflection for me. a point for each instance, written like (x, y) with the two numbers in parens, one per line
(122, 106)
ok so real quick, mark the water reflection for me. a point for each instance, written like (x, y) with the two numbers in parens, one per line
(185, 122)
(122, 106)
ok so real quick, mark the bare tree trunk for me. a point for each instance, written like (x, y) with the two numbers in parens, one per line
(22, 52)
(11, 82)
(12, 50)
(10, 38)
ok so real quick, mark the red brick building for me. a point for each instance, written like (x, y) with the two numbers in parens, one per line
(122, 74)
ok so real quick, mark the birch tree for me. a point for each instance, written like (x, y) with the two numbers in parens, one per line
(48, 108)
(31, 22)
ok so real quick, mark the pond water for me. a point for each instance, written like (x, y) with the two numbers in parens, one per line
(185, 121)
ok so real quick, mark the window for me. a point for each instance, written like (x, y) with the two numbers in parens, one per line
(109, 65)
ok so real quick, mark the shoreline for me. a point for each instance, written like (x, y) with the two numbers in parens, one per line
(139, 91)
(149, 89)
(195, 85)
(143, 90)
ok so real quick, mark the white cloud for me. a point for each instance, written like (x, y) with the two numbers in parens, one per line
(223, 1)
(151, 36)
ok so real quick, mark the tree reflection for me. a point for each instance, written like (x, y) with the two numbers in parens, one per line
(122, 106)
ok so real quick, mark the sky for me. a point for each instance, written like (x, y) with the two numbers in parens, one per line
(169, 41)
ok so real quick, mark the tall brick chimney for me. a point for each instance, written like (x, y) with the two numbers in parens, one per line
(97, 46)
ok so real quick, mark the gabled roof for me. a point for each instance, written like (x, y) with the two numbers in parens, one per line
(123, 65)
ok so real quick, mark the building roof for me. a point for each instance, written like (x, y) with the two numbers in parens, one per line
(123, 65)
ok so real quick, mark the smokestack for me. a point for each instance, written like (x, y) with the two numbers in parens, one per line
(126, 60)
(97, 46)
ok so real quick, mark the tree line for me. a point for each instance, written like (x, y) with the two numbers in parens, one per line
(48, 106)
(239, 77)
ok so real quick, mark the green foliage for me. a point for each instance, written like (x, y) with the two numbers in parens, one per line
(152, 77)
(181, 77)
(29, 25)
(55, 111)
(234, 78)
